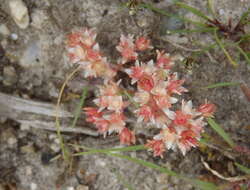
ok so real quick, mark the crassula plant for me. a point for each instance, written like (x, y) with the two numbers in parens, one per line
(154, 89)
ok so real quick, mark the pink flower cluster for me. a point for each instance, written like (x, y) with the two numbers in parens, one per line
(83, 49)
(157, 89)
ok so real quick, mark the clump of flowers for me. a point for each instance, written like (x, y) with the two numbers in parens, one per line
(156, 89)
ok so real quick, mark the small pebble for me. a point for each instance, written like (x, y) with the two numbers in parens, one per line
(82, 187)
(24, 127)
(52, 136)
(4, 30)
(221, 12)
(33, 186)
(100, 163)
(19, 13)
(28, 170)
(14, 36)
(55, 147)
(9, 76)
(38, 19)
(12, 141)
(57, 140)
(27, 149)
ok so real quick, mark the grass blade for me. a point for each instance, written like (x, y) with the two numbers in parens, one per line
(193, 10)
(201, 184)
(224, 50)
(222, 84)
(243, 18)
(125, 149)
(131, 99)
(80, 105)
(211, 7)
(217, 128)
(147, 164)
(244, 54)
(243, 168)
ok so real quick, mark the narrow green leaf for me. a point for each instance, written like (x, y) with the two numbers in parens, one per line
(223, 49)
(217, 128)
(222, 84)
(243, 18)
(79, 107)
(147, 164)
(131, 99)
(163, 12)
(243, 38)
(201, 184)
(243, 168)
(244, 54)
(193, 10)
(210, 5)
(125, 149)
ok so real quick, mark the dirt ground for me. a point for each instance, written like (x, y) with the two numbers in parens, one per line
(34, 65)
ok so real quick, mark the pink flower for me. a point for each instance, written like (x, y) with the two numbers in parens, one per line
(127, 49)
(110, 97)
(135, 72)
(74, 39)
(102, 126)
(207, 109)
(181, 118)
(77, 54)
(164, 60)
(168, 137)
(146, 82)
(116, 122)
(142, 97)
(187, 140)
(153, 93)
(92, 114)
(85, 37)
(175, 86)
(157, 146)
(127, 136)
(93, 55)
(88, 37)
(142, 43)
(145, 113)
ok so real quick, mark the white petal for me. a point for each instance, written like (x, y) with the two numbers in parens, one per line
(128, 71)
(170, 114)
(96, 47)
(173, 100)
(140, 119)
(137, 63)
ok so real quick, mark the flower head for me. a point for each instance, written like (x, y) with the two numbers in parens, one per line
(164, 60)
(154, 89)
(157, 146)
(127, 48)
(142, 43)
(127, 136)
(207, 109)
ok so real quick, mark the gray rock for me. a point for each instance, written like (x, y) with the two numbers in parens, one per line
(19, 13)
(9, 76)
(171, 23)
(4, 30)
(31, 55)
